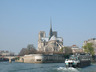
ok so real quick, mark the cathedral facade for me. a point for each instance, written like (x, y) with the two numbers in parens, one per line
(53, 43)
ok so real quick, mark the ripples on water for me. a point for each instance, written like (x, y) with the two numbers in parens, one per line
(70, 69)
(45, 67)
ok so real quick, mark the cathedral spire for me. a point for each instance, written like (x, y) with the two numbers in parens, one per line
(50, 23)
(50, 33)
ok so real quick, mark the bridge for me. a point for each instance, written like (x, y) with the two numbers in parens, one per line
(9, 57)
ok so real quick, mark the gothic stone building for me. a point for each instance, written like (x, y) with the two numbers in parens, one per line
(53, 43)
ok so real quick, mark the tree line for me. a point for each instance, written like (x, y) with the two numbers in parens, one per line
(88, 48)
(29, 50)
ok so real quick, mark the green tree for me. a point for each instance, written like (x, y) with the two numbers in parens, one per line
(62, 49)
(67, 50)
(88, 48)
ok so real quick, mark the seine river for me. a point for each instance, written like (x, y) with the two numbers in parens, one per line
(45, 67)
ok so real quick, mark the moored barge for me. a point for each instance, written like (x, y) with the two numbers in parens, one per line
(78, 60)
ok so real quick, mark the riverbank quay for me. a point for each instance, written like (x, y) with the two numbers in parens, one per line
(3, 59)
(41, 58)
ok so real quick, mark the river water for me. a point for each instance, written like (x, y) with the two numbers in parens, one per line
(45, 67)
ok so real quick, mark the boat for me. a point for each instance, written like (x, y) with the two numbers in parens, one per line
(78, 60)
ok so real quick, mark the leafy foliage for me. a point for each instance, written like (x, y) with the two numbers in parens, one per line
(88, 48)
(67, 50)
(62, 49)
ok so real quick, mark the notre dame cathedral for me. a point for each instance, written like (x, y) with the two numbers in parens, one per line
(53, 43)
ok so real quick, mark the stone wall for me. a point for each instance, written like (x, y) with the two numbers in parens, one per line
(40, 58)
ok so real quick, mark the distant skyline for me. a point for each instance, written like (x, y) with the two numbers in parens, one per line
(22, 20)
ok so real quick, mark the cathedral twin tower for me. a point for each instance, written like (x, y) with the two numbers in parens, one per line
(53, 43)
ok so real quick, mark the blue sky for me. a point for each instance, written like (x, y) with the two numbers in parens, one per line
(21, 21)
